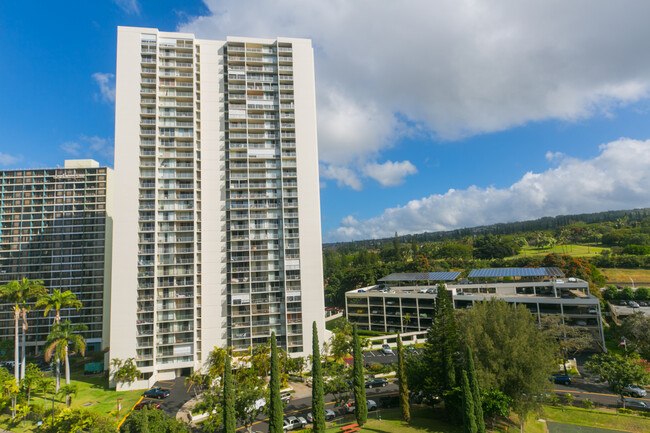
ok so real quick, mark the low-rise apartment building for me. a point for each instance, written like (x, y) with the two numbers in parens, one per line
(405, 302)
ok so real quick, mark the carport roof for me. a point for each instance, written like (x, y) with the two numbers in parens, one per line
(421, 276)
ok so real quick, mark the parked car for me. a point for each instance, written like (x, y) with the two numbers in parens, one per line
(592, 311)
(157, 392)
(294, 423)
(561, 379)
(643, 303)
(580, 323)
(350, 406)
(285, 396)
(635, 405)
(633, 304)
(329, 415)
(386, 349)
(635, 391)
(622, 303)
(374, 383)
(146, 405)
(388, 401)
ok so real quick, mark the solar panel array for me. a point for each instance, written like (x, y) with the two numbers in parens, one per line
(422, 276)
(516, 272)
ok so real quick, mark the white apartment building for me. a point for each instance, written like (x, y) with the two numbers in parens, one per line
(217, 236)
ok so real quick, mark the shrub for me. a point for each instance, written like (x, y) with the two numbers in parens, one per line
(568, 399)
(587, 404)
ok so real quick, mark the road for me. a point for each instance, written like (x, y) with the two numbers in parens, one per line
(300, 407)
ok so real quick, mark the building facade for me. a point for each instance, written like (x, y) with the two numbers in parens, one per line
(217, 234)
(56, 227)
(405, 302)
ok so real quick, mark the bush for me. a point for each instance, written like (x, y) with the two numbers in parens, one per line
(587, 404)
(554, 399)
(568, 399)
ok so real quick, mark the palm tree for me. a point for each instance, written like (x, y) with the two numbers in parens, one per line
(20, 293)
(56, 301)
(65, 334)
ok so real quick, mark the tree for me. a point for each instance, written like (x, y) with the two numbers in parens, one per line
(495, 404)
(469, 413)
(20, 293)
(402, 382)
(63, 336)
(338, 384)
(56, 301)
(636, 329)
(67, 391)
(217, 361)
(476, 391)
(571, 339)
(359, 382)
(512, 354)
(229, 424)
(10, 389)
(438, 367)
(158, 421)
(124, 371)
(618, 371)
(341, 344)
(32, 379)
(317, 397)
(275, 402)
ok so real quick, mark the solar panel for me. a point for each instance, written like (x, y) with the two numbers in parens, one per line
(421, 276)
(515, 272)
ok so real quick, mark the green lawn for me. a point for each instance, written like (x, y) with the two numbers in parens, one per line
(93, 391)
(574, 250)
(593, 418)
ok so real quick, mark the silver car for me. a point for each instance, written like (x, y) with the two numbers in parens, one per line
(386, 349)
(635, 391)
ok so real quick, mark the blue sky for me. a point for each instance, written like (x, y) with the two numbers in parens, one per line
(433, 116)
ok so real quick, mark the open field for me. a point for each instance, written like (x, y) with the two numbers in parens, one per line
(639, 276)
(574, 250)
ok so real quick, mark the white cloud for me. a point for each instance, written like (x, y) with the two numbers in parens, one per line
(106, 83)
(89, 147)
(454, 68)
(617, 178)
(390, 173)
(6, 159)
(71, 147)
(129, 6)
(343, 176)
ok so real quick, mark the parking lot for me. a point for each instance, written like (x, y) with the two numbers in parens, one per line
(179, 394)
(379, 357)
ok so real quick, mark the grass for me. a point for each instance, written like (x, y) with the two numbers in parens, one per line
(639, 276)
(91, 389)
(594, 418)
(574, 250)
(422, 420)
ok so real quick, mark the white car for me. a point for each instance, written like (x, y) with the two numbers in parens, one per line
(633, 304)
(635, 391)
(386, 349)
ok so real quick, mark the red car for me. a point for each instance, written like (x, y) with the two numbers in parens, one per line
(147, 405)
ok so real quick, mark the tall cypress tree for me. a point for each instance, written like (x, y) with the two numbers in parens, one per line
(229, 424)
(476, 392)
(361, 408)
(275, 406)
(317, 396)
(403, 386)
(469, 416)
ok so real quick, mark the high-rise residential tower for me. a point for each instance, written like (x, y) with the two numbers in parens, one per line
(217, 223)
(55, 226)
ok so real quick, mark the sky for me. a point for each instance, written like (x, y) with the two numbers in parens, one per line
(431, 115)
